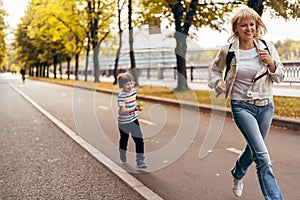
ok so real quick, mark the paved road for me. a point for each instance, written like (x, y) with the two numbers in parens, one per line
(173, 139)
(39, 161)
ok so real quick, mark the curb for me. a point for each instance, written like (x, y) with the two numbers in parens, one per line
(288, 123)
(135, 184)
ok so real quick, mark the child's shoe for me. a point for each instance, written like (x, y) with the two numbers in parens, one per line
(123, 156)
(141, 164)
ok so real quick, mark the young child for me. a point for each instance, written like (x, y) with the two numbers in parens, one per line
(128, 119)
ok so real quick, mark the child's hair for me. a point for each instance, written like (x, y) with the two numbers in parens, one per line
(124, 78)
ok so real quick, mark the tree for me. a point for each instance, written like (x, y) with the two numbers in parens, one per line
(187, 14)
(67, 26)
(288, 49)
(64, 21)
(62, 26)
(131, 51)
(3, 47)
(43, 41)
(25, 47)
(286, 9)
(195, 13)
(120, 5)
(257, 5)
(100, 15)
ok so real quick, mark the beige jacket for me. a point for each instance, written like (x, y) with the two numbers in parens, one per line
(260, 89)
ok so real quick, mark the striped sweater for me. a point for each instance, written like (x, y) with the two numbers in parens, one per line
(127, 100)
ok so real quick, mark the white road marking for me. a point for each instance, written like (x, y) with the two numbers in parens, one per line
(103, 107)
(234, 150)
(138, 186)
(147, 122)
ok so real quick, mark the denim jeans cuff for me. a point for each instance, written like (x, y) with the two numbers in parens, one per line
(233, 175)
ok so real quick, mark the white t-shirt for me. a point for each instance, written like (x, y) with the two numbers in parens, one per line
(249, 64)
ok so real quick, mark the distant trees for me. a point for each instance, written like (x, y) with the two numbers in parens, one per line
(49, 34)
(59, 30)
(56, 31)
(288, 49)
(2, 37)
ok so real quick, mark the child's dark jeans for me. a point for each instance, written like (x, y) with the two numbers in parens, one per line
(134, 129)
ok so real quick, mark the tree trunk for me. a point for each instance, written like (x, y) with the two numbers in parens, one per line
(180, 51)
(257, 5)
(55, 60)
(47, 70)
(60, 68)
(76, 65)
(120, 44)
(44, 70)
(96, 63)
(94, 38)
(182, 31)
(68, 67)
(41, 70)
(87, 60)
(131, 53)
(117, 58)
(37, 70)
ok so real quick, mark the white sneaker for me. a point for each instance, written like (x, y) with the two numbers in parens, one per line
(237, 187)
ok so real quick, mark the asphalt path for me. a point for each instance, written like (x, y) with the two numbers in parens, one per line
(39, 161)
(173, 138)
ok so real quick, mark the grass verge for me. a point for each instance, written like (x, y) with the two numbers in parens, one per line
(288, 107)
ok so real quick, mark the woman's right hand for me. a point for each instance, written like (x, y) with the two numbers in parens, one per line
(220, 88)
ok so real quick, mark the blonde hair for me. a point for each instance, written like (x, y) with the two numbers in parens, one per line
(124, 78)
(247, 13)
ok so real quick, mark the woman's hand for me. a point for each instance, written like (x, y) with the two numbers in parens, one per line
(220, 88)
(266, 58)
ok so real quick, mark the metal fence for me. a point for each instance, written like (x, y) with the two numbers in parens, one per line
(292, 71)
(200, 73)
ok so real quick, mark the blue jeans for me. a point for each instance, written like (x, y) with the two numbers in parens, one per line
(254, 122)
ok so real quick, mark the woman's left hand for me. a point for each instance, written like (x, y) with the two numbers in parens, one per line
(266, 58)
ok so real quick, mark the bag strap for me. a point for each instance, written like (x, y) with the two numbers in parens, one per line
(265, 43)
(255, 79)
(229, 58)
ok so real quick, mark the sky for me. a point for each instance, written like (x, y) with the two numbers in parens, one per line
(278, 29)
(15, 9)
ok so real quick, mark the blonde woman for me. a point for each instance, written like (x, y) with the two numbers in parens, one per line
(254, 66)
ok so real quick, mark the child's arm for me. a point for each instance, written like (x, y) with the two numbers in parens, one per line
(126, 111)
(140, 105)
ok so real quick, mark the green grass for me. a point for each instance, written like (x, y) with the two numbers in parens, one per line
(284, 106)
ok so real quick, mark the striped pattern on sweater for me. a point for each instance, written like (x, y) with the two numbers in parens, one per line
(127, 100)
